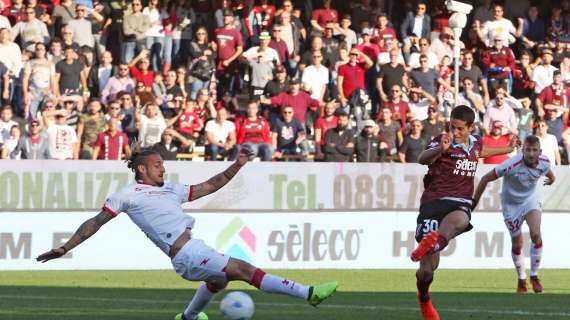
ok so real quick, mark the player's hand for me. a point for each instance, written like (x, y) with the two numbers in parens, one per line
(245, 154)
(52, 254)
(446, 140)
(548, 182)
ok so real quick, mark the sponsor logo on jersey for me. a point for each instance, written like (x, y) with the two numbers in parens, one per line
(465, 168)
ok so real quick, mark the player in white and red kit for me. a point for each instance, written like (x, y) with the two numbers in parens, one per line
(156, 208)
(445, 209)
(521, 202)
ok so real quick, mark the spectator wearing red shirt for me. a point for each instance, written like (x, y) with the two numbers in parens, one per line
(369, 48)
(230, 46)
(495, 139)
(555, 96)
(382, 30)
(299, 100)
(320, 17)
(326, 122)
(139, 68)
(189, 122)
(499, 62)
(253, 133)
(400, 109)
(279, 45)
(111, 144)
(264, 14)
(521, 77)
(351, 75)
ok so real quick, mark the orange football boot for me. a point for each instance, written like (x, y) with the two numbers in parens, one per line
(426, 245)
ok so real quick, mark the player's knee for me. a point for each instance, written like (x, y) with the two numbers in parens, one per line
(424, 273)
(217, 286)
(536, 238)
(240, 270)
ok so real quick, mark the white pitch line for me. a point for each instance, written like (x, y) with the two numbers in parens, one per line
(324, 306)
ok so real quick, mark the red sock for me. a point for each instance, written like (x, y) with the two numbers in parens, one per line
(538, 245)
(257, 277)
(441, 243)
(516, 251)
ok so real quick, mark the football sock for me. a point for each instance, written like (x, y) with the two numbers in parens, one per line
(201, 298)
(535, 257)
(274, 284)
(518, 260)
(423, 288)
(441, 242)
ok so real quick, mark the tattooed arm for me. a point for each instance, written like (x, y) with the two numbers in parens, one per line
(86, 230)
(221, 179)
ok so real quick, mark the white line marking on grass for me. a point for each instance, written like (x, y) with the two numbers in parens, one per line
(324, 306)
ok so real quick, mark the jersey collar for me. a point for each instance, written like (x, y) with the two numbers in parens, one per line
(464, 147)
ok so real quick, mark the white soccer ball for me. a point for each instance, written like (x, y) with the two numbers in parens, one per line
(237, 305)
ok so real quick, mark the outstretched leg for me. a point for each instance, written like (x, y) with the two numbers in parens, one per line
(202, 298)
(533, 219)
(241, 270)
(451, 226)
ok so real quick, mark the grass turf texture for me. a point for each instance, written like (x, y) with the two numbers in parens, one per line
(363, 294)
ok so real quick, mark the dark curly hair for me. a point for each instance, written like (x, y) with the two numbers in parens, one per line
(138, 158)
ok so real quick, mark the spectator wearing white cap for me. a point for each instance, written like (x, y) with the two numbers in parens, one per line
(262, 59)
(370, 146)
(543, 74)
(499, 62)
(63, 142)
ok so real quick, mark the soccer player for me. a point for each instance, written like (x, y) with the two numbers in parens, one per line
(446, 202)
(520, 202)
(155, 207)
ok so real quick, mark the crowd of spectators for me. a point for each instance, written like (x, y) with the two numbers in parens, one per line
(326, 80)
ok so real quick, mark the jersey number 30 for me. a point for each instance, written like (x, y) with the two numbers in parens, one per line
(429, 226)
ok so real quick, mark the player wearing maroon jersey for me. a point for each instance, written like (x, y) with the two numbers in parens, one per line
(446, 202)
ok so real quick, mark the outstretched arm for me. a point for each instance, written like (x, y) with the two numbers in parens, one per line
(221, 179)
(490, 176)
(488, 151)
(86, 230)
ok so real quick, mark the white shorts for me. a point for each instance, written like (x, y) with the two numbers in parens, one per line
(196, 261)
(515, 214)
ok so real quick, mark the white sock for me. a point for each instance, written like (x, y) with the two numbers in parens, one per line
(535, 257)
(518, 260)
(276, 284)
(201, 298)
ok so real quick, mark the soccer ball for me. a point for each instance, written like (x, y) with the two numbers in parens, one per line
(237, 305)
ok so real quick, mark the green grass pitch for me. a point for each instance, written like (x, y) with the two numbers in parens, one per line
(363, 294)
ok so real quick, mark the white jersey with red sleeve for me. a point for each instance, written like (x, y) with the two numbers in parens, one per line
(520, 180)
(157, 211)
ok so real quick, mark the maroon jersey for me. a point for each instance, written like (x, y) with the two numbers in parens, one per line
(227, 40)
(453, 174)
(112, 146)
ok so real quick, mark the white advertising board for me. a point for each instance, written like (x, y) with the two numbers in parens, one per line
(344, 240)
(79, 185)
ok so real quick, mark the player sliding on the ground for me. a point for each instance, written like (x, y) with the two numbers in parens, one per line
(156, 208)
(521, 202)
(445, 209)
